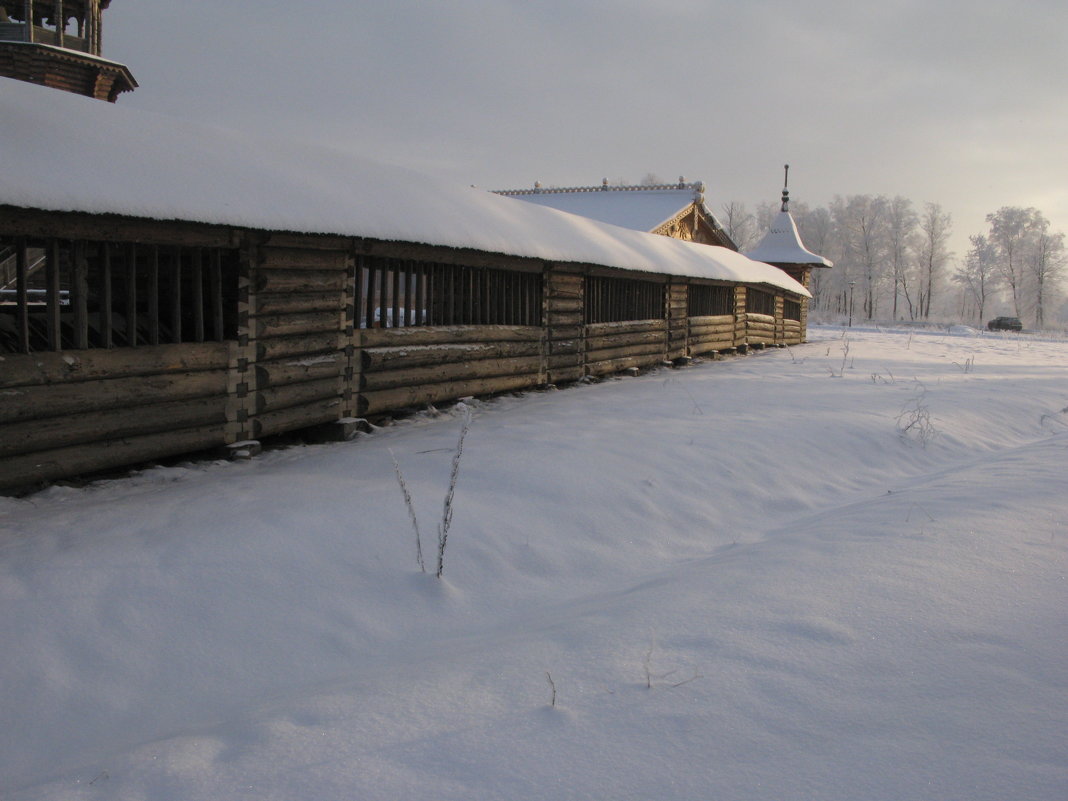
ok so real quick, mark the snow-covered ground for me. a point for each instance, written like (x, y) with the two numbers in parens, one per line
(836, 571)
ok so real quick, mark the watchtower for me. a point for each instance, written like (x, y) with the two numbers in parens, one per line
(57, 43)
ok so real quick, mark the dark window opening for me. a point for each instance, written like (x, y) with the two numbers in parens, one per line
(614, 300)
(60, 294)
(791, 310)
(396, 293)
(757, 302)
(707, 301)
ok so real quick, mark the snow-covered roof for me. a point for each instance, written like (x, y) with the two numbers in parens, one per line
(782, 245)
(64, 152)
(637, 207)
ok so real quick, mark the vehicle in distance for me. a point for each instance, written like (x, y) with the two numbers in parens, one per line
(1005, 324)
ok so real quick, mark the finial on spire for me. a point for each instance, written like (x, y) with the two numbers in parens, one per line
(785, 189)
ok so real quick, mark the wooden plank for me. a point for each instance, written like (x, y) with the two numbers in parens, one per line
(625, 338)
(446, 334)
(407, 397)
(114, 228)
(152, 296)
(107, 424)
(306, 368)
(22, 294)
(79, 294)
(175, 269)
(30, 469)
(283, 397)
(269, 281)
(609, 354)
(391, 358)
(302, 242)
(53, 400)
(52, 294)
(627, 327)
(456, 371)
(197, 278)
(216, 293)
(284, 347)
(289, 258)
(130, 306)
(277, 325)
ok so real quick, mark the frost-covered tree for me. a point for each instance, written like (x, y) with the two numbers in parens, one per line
(932, 254)
(978, 276)
(1046, 266)
(1011, 231)
(901, 225)
(740, 225)
(862, 224)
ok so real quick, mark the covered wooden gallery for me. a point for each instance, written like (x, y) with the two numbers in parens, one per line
(168, 289)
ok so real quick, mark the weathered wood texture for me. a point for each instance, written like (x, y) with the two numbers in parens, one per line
(617, 346)
(710, 334)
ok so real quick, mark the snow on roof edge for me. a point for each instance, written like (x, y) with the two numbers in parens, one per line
(67, 153)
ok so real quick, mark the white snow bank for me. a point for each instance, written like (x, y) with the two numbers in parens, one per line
(746, 579)
(64, 152)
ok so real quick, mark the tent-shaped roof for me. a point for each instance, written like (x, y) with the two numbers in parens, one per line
(63, 152)
(782, 245)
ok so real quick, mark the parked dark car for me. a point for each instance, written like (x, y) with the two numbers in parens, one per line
(1005, 324)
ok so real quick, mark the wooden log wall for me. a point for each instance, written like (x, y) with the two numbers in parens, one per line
(611, 347)
(676, 296)
(75, 411)
(565, 341)
(298, 359)
(411, 367)
(295, 368)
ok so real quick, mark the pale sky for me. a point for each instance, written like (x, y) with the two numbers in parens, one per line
(963, 103)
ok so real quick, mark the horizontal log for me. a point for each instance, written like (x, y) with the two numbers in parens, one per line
(437, 254)
(275, 398)
(709, 345)
(626, 327)
(676, 334)
(559, 346)
(20, 369)
(607, 354)
(566, 292)
(615, 365)
(406, 397)
(456, 371)
(554, 318)
(710, 330)
(625, 338)
(77, 225)
(561, 374)
(28, 469)
(566, 332)
(76, 429)
(556, 279)
(273, 281)
(53, 400)
(565, 360)
(374, 359)
(713, 319)
(448, 334)
(299, 370)
(760, 328)
(284, 258)
(294, 418)
(561, 304)
(753, 317)
(309, 345)
(308, 241)
(295, 304)
(280, 325)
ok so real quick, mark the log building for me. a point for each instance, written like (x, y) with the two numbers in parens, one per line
(675, 210)
(166, 289)
(58, 43)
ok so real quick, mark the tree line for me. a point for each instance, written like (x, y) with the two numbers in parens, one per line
(892, 260)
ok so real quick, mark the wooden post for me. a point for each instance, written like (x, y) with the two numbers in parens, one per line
(106, 310)
(79, 294)
(27, 12)
(176, 295)
(217, 327)
(152, 296)
(198, 294)
(59, 19)
(52, 295)
(22, 295)
(131, 295)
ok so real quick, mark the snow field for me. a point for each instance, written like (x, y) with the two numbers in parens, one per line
(744, 579)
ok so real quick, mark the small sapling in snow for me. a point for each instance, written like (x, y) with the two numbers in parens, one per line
(411, 511)
(454, 474)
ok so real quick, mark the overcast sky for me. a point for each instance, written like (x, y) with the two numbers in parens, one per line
(963, 103)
